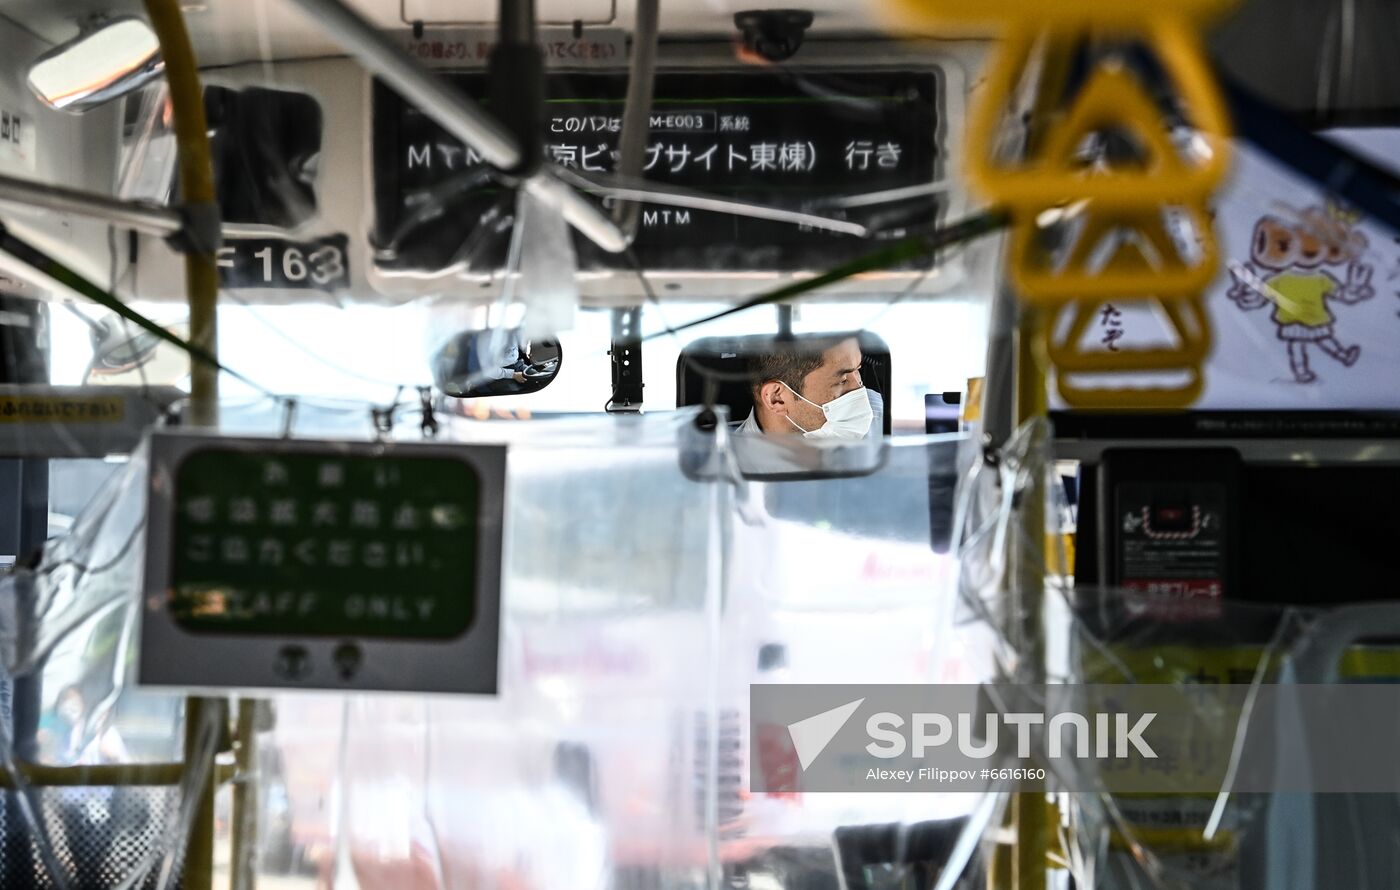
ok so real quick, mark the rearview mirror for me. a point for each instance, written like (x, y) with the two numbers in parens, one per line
(499, 362)
(126, 354)
(724, 371)
(105, 61)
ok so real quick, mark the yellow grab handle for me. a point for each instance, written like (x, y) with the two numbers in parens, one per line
(1112, 99)
(1130, 203)
(1128, 398)
(1146, 261)
(1187, 320)
(1189, 324)
(985, 17)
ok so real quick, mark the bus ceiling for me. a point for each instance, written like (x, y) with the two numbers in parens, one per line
(339, 191)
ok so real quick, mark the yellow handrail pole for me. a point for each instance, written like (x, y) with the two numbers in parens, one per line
(245, 795)
(1028, 564)
(1025, 869)
(198, 869)
(202, 282)
(196, 192)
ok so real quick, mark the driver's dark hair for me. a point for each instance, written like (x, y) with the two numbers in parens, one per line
(787, 362)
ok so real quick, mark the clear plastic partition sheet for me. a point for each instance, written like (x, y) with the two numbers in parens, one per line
(1225, 838)
(1214, 841)
(583, 769)
(640, 603)
(846, 580)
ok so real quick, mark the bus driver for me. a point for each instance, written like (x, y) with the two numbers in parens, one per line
(810, 389)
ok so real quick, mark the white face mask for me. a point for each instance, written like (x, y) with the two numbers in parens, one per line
(847, 417)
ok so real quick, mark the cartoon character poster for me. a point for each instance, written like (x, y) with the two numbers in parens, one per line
(1293, 267)
(1305, 310)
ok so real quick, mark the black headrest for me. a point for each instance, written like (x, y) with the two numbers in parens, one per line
(723, 363)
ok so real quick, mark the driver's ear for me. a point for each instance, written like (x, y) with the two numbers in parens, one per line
(772, 395)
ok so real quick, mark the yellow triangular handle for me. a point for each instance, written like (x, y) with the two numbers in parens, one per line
(1113, 96)
(1039, 279)
(1131, 398)
(1119, 199)
(988, 17)
(1186, 319)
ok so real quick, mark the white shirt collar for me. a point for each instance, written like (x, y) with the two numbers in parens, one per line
(750, 426)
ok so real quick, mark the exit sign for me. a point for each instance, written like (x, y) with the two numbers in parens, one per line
(322, 565)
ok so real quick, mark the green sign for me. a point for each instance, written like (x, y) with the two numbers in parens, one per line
(324, 544)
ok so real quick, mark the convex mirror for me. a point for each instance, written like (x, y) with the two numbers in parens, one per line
(123, 353)
(499, 362)
(106, 60)
(799, 406)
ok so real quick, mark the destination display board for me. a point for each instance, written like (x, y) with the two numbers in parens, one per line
(777, 139)
(330, 565)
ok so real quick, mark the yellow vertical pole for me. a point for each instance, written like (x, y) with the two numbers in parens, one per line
(1031, 812)
(245, 793)
(197, 195)
(196, 192)
(197, 873)
(1024, 866)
